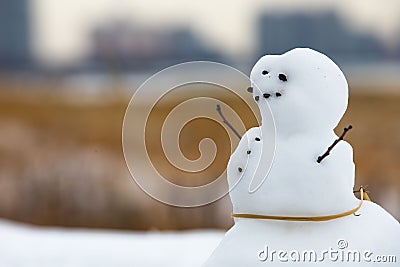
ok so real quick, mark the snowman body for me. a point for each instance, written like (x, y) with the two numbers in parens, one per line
(369, 239)
(274, 171)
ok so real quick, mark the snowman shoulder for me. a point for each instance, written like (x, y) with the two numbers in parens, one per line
(378, 216)
(231, 243)
(343, 150)
(253, 134)
(239, 155)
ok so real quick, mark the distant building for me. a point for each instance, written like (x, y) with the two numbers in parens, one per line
(15, 40)
(122, 46)
(324, 32)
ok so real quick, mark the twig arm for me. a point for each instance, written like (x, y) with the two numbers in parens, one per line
(320, 158)
(227, 122)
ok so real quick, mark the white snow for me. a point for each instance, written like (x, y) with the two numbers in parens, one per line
(313, 98)
(23, 245)
(307, 94)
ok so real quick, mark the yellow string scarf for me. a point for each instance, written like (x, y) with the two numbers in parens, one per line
(363, 195)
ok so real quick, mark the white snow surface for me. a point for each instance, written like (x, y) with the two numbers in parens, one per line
(307, 95)
(312, 100)
(25, 245)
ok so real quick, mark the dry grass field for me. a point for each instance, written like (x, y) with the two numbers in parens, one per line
(61, 163)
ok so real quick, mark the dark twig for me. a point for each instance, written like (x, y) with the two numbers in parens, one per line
(320, 158)
(227, 122)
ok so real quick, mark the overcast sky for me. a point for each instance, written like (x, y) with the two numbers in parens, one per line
(60, 27)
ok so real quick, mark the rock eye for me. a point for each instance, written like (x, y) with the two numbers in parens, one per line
(282, 77)
(264, 72)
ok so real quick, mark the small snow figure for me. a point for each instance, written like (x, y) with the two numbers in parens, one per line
(304, 209)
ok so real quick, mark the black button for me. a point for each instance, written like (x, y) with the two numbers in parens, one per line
(282, 77)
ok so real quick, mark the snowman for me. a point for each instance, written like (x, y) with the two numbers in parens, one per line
(298, 207)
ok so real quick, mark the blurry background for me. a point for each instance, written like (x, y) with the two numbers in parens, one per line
(69, 68)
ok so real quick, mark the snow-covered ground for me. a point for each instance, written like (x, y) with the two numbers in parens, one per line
(23, 245)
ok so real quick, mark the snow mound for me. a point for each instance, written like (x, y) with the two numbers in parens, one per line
(23, 245)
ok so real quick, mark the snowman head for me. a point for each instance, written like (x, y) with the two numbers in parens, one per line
(306, 90)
